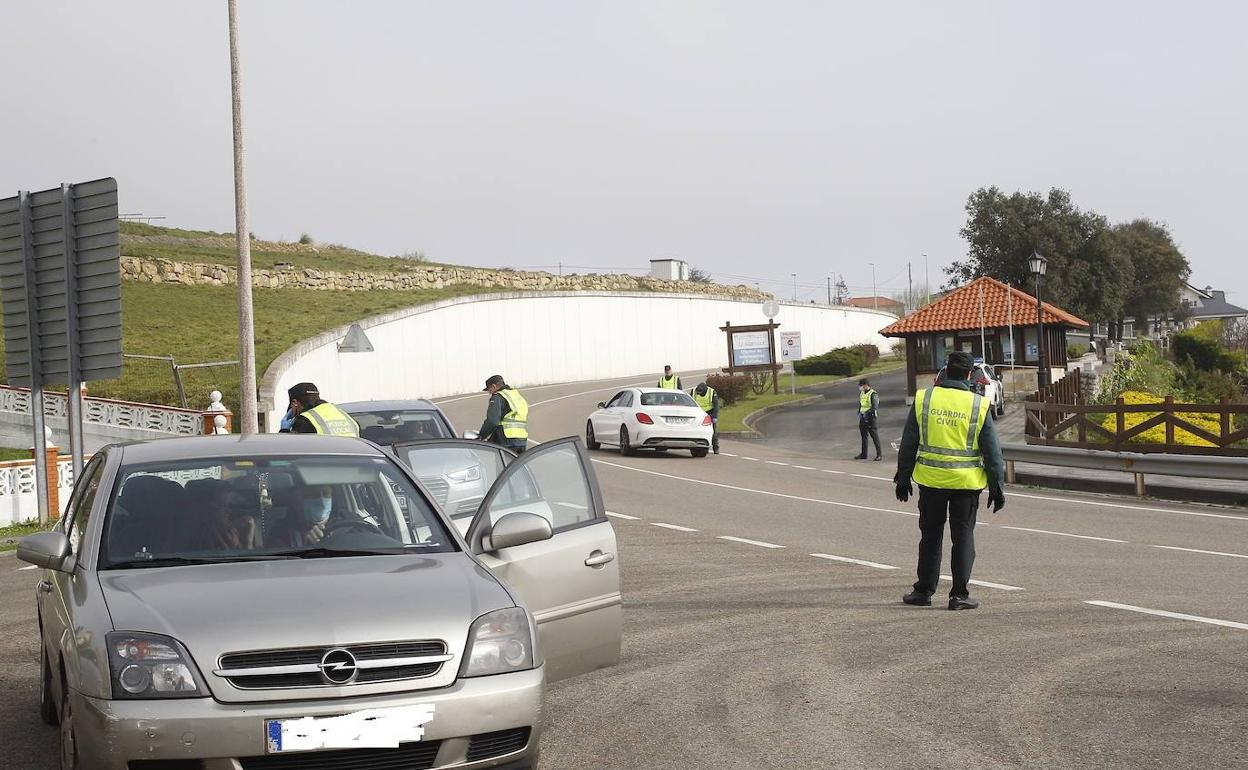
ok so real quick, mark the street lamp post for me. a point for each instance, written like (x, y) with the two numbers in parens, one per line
(794, 286)
(1039, 265)
(875, 299)
(248, 410)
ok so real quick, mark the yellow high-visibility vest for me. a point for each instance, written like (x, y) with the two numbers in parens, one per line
(329, 420)
(515, 423)
(671, 383)
(864, 401)
(950, 421)
(707, 402)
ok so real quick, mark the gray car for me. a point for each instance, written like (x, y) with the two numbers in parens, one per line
(276, 602)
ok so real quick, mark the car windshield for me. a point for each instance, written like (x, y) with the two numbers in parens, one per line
(388, 427)
(247, 508)
(670, 398)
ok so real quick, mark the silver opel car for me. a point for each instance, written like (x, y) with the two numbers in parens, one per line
(288, 601)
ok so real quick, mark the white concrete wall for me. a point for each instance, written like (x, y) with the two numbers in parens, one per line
(535, 339)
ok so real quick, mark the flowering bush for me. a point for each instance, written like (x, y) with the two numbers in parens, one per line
(1157, 433)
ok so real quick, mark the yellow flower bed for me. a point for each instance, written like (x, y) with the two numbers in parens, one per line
(1157, 433)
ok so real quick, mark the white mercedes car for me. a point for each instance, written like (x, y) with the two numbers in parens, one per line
(650, 418)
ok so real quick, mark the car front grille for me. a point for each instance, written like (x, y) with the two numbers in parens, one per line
(408, 756)
(487, 745)
(439, 487)
(300, 666)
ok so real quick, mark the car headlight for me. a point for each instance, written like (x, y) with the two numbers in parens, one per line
(151, 666)
(498, 643)
(467, 474)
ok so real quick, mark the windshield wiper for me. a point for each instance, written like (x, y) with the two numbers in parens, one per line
(329, 553)
(179, 561)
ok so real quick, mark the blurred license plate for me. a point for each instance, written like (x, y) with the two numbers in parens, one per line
(379, 728)
(678, 420)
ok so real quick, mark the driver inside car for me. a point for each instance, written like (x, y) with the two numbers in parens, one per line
(308, 510)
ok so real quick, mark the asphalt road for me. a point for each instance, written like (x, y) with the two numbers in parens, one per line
(761, 651)
(829, 428)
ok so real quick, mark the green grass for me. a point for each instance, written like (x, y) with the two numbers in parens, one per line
(9, 535)
(732, 418)
(14, 454)
(198, 324)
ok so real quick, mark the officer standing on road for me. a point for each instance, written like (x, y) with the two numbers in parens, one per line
(708, 399)
(669, 381)
(868, 412)
(312, 414)
(506, 417)
(950, 448)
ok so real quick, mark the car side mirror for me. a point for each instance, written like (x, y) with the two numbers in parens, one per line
(49, 550)
(602, 404)
(471, 435)
(516, 529)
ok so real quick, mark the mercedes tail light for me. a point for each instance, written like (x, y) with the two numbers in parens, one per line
(644, 419)
(707, 420)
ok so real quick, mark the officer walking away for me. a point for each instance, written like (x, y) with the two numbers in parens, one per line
(868, 411)
(708, 399)
(312, 414)
(950, 449)
(669, 381)
(507, 416)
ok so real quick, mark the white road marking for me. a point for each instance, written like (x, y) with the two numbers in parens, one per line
(985, 584)
(1197, 550)
(676, 527)
(1085, 501)
(757, 491)
(751, 459)
(1064, 534)
(773, 462)
(1168, 614)
(727, 454)
(23, 569)
(622, 516)
(839, 473)
(874, 564)
(758, 543)
(877, 478)
(803, 467)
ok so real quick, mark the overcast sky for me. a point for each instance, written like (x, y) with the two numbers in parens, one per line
(753, 139)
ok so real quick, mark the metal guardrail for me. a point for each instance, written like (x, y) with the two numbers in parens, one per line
(1193, 466)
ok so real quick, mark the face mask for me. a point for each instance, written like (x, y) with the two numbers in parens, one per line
(316, 510)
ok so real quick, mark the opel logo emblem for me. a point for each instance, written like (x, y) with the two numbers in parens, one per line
(338, 666)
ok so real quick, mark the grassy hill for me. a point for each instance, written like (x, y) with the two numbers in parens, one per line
(197, 324)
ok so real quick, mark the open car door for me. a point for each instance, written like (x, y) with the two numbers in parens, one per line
(569, 580)
(457, 473)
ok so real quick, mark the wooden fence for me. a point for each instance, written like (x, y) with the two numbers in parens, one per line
(1067, 391)
(1188, 428)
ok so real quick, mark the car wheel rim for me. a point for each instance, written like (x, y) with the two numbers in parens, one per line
(69, 751)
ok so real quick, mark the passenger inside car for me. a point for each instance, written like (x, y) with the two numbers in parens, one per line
(214, 526)
(145, 516)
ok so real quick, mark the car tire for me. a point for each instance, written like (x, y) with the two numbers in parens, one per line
(590, 441)
(698, 452)
(47, 704)
(69, 740)
(626, 448)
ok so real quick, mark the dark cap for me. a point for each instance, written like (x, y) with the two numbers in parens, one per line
(495, 379)
(960, 360)
(304, 392)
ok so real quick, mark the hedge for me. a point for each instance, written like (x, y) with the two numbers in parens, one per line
(731, 388)
(842, 362)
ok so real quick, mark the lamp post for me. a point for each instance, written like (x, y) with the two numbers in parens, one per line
(875, 300)
(1039, 265)
(794, 286)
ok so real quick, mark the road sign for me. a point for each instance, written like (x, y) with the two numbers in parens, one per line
(750, 348)
(771, 308)
(790, 346)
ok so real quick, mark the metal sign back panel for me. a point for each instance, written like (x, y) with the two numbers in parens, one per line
(60, 284)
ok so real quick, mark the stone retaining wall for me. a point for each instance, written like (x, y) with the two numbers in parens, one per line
(432, 277)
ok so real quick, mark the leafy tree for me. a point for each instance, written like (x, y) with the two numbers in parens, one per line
(1159, 268)
(1085, 275)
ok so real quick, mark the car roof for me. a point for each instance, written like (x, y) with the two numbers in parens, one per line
(393, 405)
(657, 390)
(212, 447)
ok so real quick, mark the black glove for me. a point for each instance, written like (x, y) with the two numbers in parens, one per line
(904, 490)
(996, 497)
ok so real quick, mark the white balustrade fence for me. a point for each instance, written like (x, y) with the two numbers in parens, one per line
(18, 498)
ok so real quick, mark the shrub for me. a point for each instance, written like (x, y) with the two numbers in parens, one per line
(1204, 387)
(731, 388)
(1157, 433)
(870, 353)
(899, 348)
(842, 362)
(1143, 370)
(1075, 350)
(306, 239)
(1204, 347)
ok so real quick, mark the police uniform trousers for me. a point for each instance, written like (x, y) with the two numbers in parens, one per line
(867, 427)
(960, 507)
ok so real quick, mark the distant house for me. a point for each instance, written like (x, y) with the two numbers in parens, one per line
(669, 269)
(984, 318)
(1195, 306)
(887, 304)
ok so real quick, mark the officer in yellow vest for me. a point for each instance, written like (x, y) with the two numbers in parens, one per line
(669, 381)
(708, 399)
(506, 417)
(950, 449)
(868, 410)
(312, 414)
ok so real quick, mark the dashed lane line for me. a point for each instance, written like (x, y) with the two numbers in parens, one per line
(804, 467)
(624, 516)
(676, 527)
(773, 462)
(751, 459)
(1198, 550)
(873, 564)
(23, 569)
(1167, 614)
(1063, 534)
(758, 543)
(877, 478)
(985, 584)
(839, 473)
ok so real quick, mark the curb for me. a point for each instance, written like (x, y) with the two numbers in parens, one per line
(1156, 491)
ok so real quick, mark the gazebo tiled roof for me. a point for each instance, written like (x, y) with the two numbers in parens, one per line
(959, 310)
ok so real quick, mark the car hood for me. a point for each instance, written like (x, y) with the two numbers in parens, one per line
(215, 609)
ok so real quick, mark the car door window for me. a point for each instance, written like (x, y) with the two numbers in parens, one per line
(551, 482)
(615, 401)
(456, 473)
(626, 400)
(79, 513)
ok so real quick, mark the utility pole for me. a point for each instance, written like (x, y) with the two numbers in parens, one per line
(794, 286)
(875, 298)
(909, 288)
(248, 422)
(829, 288)
(927, 284)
